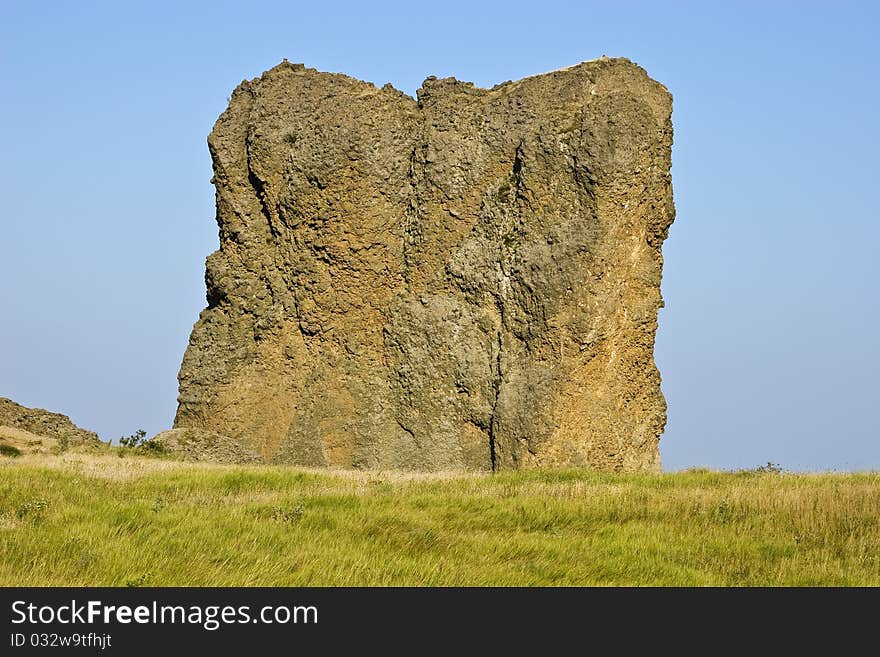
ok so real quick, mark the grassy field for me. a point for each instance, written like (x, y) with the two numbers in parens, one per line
(79, 519)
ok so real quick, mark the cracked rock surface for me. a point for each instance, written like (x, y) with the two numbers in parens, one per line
(468, 280)
(42, 423)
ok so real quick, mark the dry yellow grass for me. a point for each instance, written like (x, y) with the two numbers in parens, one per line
(97, 519)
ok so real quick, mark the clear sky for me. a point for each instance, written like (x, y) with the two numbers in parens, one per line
(768, 344)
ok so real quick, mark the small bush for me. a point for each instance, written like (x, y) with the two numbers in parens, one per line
(138, 440)
(139, 581)
(9, 450)
(770, 468)
(290, 516)
(33, 509)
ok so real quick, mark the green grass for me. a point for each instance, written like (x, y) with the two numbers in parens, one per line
(81, 520)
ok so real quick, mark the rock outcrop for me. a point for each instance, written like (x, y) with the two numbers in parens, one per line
(202, 445)
(466, 280)
(42, 423)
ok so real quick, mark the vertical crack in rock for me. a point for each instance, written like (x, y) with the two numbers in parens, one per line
(466, 281)
(497, 379)
(259, 187)
(411, 216)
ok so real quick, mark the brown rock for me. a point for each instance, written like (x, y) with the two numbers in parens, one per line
(469, 280)
(44, 424)
(201, 445)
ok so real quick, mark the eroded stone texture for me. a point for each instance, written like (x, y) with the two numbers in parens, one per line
(45, 424)
(202, 445)
(469, 280)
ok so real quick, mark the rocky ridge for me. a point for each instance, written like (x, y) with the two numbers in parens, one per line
(42, 423)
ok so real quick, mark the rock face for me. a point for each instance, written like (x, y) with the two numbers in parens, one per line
(44, 424)
(466, 281)
(201, 445)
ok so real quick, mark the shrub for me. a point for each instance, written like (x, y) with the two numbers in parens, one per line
(288, 515)
(770, 468)
(138, 440)
(9, 450)
(34, 508)
(138, 581)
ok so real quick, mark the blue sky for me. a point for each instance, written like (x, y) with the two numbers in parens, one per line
(768, 343)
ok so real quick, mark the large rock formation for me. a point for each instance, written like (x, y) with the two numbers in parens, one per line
(202, 445)
(469, 280)
(41, 423)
